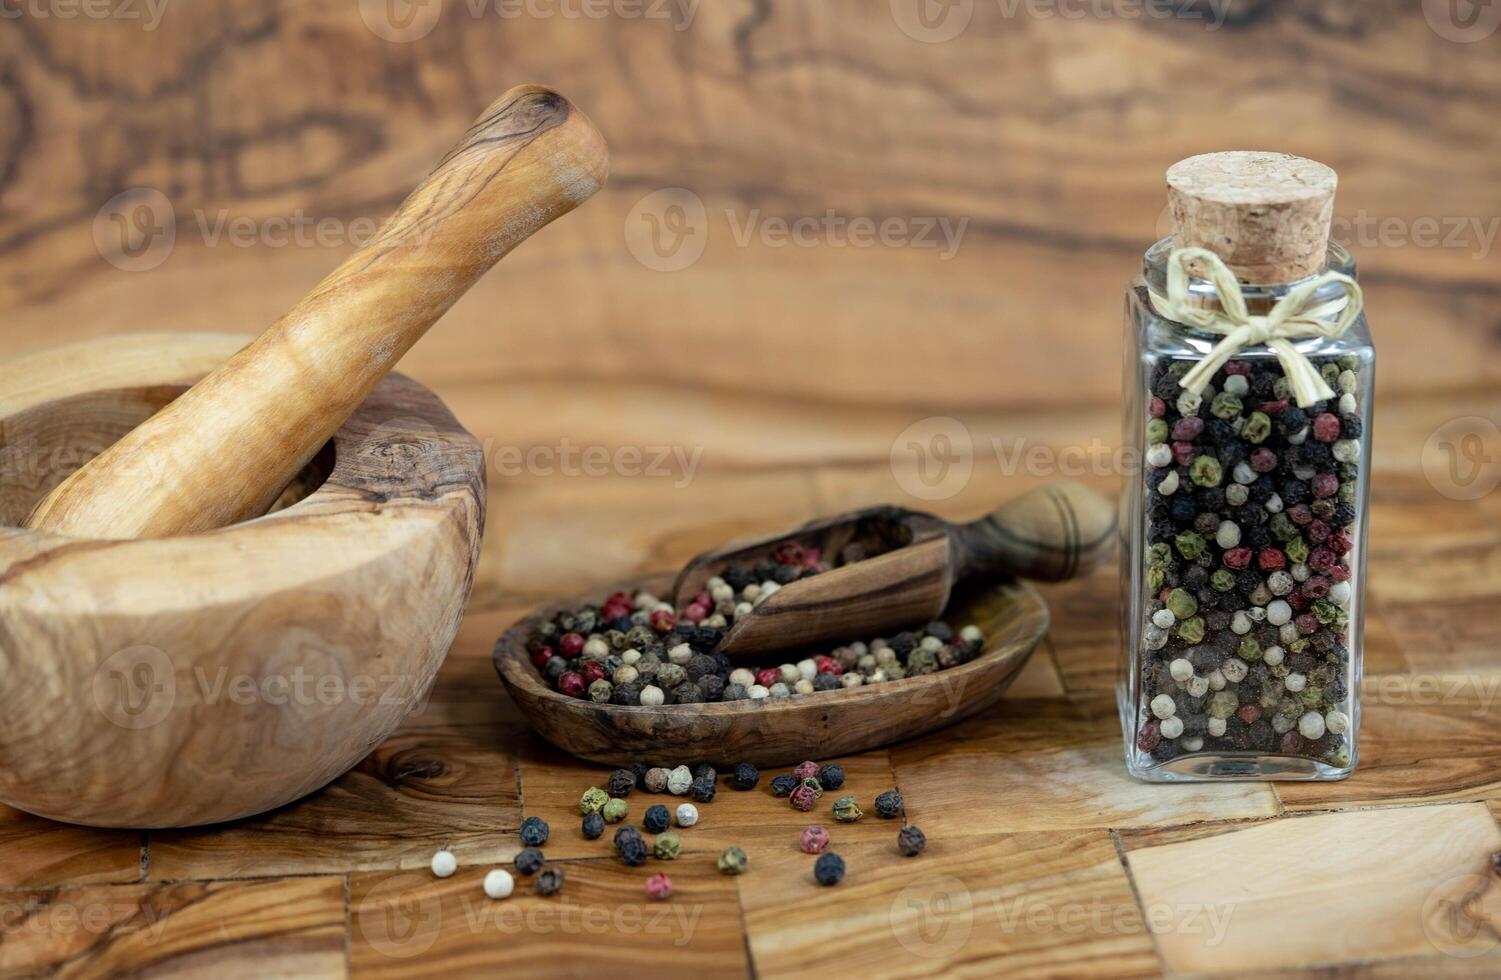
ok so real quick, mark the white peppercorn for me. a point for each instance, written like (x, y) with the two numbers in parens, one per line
(678, 780)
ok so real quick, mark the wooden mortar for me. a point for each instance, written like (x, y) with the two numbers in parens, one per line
(188, 680)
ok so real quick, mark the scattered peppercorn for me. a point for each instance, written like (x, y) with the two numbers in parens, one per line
(659, 887)
(806, 770)
(829, 868)
(910, 841)
(847, 809)
(593, 800)
(702, 789)
(733, 861)
(622, 782)
(746, 776)
(529, 861)
(550, 880)
(805, 797)
(534, 831)
(594, 826)
(687, 815)
(831, 776)
(632, 848)
(889, 805)
(656, 819)
(615, 810)
(667, 846)
(784, 784)
(679, 781)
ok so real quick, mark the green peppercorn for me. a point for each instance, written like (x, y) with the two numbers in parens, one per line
(1225, 406)
(1156, 579)
(1249, 649)
(615, 810)
(733, 861)
(667, 846)
(1192, 630)
(1157, 431)
(1160, 555)
(1325, 611)
(847, 809)
(1190, 544)
(1258, 426)
(1297, 551)
(1223, 580)
(1205, 471)
(1182, 603)
(593, 800)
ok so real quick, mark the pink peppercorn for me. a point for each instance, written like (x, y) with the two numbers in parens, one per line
(541, 656)
(592, 671)
(659, 886)
(572, 684)
(571, 644)
(1339, 573)
(1326, 427)
(1339, 542)
(1237, 557)
(1275, 407)
(695, 613)
(662, 620)
(1316, 587)
(1297, 599)
(768, 676)
(1158, 407)
(811, 558)
(1318, 531)
(1271, 559)
(1263, 460)
(1184, 453)
(814, 840)
(1188, 428)
(1238, 367)
(1149, 737)
(1300, 514)
(788, 553)
(825, 664)
(1307, 624)
(1249, 713)
(1325, 485)
(806, 770)
(1292, 743)
(1322, 559)
(804, 798)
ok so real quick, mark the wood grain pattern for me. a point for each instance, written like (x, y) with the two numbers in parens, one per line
(776, 731)
(1394, 866)
(189, 680)
(36, 852)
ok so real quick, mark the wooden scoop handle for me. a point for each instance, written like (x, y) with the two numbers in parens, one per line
(1049, 534)
(224, 451)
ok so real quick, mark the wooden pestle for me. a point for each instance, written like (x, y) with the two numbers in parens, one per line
(224, 450)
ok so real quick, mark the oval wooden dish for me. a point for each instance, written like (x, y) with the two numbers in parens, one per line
(787, 730)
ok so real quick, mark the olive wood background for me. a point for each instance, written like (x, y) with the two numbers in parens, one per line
(1051, 135)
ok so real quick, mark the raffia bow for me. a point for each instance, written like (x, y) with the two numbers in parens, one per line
(1291, 319)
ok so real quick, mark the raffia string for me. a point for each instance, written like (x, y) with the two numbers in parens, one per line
(1291, 319)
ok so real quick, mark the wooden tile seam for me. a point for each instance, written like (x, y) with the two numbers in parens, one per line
(1141, 906)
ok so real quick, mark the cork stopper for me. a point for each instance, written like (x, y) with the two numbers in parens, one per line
(1267, 215)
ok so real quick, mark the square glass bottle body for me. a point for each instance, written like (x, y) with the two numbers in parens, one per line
(1241, 641)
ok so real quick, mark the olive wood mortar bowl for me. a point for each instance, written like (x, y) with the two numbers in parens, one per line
(783, 731)
(181, 681)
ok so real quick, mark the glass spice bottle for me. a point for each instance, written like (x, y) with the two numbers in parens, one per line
(1248, 379)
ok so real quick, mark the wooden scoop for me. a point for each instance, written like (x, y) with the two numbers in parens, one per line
(1050, 534)
(223, 452)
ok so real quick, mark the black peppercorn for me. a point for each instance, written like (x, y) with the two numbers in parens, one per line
(632, 849)
(626, 694)
(703, 769)
(831, 776)
(624, 831)
(687, 693)
(825, 681)
(746, 776)
(622, 781)
(889, 804)
(550, 881)
(657, 819)
(700, 666)
(534, 831)
(638, 770)
(784, 784)
(529, 861)
(702, 789)
(594, 826)
(910, 841)
(829, 868)
(711, 687)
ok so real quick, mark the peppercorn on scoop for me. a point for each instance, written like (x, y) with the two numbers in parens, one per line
(224, 451)
(898, 567)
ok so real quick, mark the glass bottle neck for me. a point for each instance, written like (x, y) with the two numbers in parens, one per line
(1260, 297)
